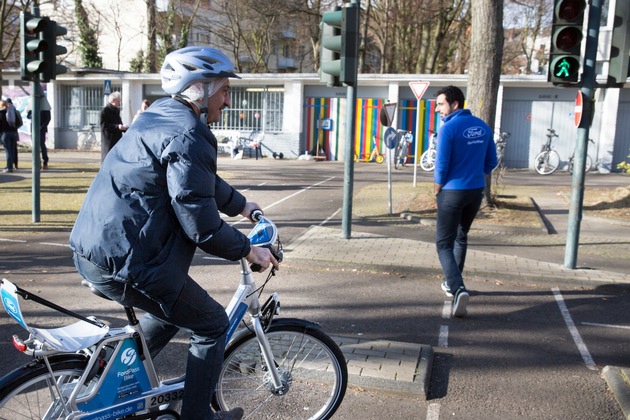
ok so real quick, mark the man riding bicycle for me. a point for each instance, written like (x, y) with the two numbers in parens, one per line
(155, 200)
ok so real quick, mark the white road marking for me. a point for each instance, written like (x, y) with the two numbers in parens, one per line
(443, 338)
(594, 324)
(446, 309)
(55, 244)
(433, 412)
(243, 219)
(577, 338)
(12, 240)
(329, 217)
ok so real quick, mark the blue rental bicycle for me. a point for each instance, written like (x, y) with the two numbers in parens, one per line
(274, 367)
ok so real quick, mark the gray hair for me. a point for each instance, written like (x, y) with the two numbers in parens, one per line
(112, 96)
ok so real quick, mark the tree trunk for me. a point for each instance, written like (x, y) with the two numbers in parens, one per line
(151, 38)
(485, 63)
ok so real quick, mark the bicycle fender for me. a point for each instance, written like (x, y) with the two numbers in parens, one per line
(279, 323)
(60, 360)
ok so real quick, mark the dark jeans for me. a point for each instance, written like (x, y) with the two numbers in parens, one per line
(195, 311)
(10, 139)
(45, 120)
(455, 214)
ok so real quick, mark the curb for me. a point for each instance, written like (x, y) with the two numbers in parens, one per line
(617, 378)
(372, 364)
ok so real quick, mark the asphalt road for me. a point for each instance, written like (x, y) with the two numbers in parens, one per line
(514, 358)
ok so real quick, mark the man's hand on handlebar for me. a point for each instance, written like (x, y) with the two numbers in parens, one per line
(249, 209)
(261, 257)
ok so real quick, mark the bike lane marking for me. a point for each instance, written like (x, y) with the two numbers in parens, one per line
(243, 219)
(575, 334)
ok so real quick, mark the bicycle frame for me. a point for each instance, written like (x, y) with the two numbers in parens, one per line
(120, 377)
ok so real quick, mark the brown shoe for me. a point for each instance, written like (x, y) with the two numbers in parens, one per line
(45, 166)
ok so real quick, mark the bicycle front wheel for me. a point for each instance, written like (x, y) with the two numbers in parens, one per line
(547, 162)
(311, 365)
(30, 392)
(427, 160)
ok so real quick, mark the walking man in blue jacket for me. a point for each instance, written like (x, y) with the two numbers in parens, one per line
(465, 154)
(155, 200)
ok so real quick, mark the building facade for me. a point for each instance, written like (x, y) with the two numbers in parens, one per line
(289, 110)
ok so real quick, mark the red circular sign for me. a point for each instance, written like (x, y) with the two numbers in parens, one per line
(578, 109)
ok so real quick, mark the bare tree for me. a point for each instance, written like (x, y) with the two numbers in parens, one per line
(10, 33)
(526, 22)
(485, 63)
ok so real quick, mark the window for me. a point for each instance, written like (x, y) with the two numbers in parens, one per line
(81, 105)
(254, 109)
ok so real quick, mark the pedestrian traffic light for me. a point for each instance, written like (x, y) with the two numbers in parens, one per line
(340, 46)
(50, 34)
(620, 44)
(565, 58)
(31, 45)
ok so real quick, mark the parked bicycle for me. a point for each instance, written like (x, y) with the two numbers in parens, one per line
(427, 158)
(273, 366)
(401, 153)
(588, 164)
(548, 160)
(500, 143)
(87, 138)
(375, 156)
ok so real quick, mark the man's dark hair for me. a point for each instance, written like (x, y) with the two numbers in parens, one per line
(452, 94)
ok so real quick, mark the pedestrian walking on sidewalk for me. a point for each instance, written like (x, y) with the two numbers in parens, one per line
(465, 154)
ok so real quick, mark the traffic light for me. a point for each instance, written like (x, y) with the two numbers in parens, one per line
(340, 46)
(31, 45)
(565, 58)
(620, 44)
(52, 69)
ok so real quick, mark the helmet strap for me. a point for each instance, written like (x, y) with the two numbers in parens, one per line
(203, 111)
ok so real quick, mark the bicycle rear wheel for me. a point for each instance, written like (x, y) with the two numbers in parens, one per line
(547, 162)
(427, 160)
(312, 367)
(30, 392)
(401, 157)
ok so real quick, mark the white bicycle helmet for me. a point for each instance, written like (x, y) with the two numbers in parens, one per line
(189, 65)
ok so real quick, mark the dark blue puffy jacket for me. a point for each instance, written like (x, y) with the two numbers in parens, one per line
(156, 199)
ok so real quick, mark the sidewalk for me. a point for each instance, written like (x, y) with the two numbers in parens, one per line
(402, 367)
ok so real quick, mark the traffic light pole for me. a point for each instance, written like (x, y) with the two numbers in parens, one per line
(346, 220)
(577, 183)
(36, 95)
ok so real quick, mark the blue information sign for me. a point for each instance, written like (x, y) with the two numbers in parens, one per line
(391, 139)
(107, 87)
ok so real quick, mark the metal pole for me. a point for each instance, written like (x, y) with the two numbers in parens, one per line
(581, 148)
(418, 137)
(388, 153)
(346, 221)
(36, 95)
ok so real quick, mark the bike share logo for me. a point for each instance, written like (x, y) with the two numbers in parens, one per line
(128, 357)
(474, 132)
(10, 305)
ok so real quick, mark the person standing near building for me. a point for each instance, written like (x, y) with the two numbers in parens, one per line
(10, 121)
(145, 104)
(112, 127)
(465, 154)
(155, 200)
(44, 120)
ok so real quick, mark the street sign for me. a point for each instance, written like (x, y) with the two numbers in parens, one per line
(418, 88)
(386, 115)
(577, 114)
(391, 139)
(107, 87)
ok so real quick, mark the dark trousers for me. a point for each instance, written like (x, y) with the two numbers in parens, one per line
(456, 211)
(195, 311)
